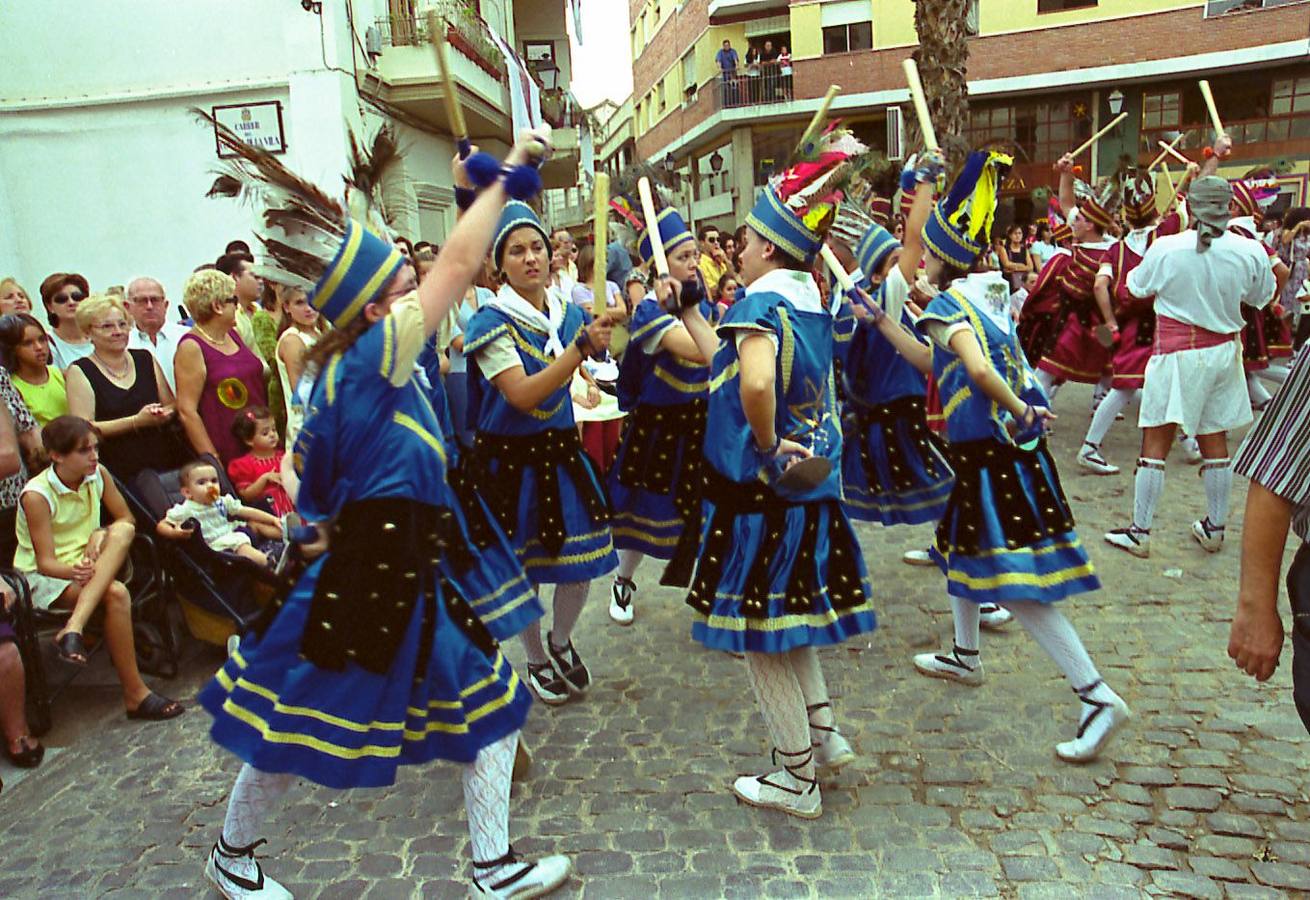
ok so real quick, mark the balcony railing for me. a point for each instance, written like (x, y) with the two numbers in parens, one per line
(560, 109)
(773, 84)
(1269, 129)
(465, 31)
(1221, 7)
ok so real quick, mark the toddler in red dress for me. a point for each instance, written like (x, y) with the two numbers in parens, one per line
(257, 474)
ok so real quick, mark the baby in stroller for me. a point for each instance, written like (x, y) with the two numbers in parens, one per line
(206, 508)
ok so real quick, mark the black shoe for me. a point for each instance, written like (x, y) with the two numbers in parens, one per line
(570, 666)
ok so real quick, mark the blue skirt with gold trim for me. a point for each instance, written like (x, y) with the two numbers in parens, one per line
(442, 698)
(893, 471)
(774, 575)
(1008, 532)
(654, 484)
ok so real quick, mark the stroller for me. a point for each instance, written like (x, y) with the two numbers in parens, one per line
(220, 593)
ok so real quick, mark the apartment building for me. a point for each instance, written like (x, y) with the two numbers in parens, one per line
(103, 170)
(1043, 74)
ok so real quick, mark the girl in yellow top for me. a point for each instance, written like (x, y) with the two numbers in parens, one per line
(71, 563)
(25, 352)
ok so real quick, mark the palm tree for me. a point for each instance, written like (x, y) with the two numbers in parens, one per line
(943, 60)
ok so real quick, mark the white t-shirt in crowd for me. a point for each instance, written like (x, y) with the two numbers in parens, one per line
(1205, 289)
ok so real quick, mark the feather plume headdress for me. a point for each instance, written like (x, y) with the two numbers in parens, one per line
(626, 202)
(312, 242)
(800, 203)
(1139, 203)
(960, 226)
(1100, 202)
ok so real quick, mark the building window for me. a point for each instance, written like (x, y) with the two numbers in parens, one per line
(845, 38)
(689, 71)
(1291, 95)
(1045, 6)
(1043, 131)
(1162, 110)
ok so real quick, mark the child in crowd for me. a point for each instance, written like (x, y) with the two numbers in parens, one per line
(257, 474)
(214, 511)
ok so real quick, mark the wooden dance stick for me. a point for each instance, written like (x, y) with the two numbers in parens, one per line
(449, 90)
(817, 120)
(1167, 150)
(1169, 178)
(1091, 141)
(599, 293)
(1214, 110)
(920, 100)
(844, 280)
(652, 227)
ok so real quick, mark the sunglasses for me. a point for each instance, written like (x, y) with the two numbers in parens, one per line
(712, 240)
(74, 297)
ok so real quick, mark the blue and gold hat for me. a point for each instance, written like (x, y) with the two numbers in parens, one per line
(960, 226)
(778, 225)
(515, 215)
(673, 233)
(874, 248)
(357, 275)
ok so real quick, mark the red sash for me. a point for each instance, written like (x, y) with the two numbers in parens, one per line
(1172, 336)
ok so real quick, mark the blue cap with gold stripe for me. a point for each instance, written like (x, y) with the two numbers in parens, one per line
(874, 248)
(673, 233)
(515, 215)
(356, 276)
(773, 221)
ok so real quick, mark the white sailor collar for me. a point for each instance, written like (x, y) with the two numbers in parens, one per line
(797, 287)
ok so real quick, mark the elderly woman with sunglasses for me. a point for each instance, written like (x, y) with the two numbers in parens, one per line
(123, 393)
(61, 293)
(217, 376)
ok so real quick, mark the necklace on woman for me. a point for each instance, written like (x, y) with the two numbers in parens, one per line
(111, 370)
(217, 343)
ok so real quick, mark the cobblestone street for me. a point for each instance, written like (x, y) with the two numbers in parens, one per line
(956, 792)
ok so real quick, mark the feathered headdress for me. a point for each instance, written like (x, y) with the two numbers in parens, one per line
(312, 242)
(626, 201)
(1255, 192)
(799, 204)
(1098, 204)
(960, 226)
(1139, 199)
(1060, 230)
(369, 167)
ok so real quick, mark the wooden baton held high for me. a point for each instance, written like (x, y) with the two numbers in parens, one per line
(652, 227)
(1091, 141)
(602, 225)
(920, 100)
(449, 91)
(1214, 110)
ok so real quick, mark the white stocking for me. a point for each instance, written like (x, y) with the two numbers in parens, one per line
(782, 704)
(249, 802)
(569, 600)
(1276, 373)
(1047, 381)
(1218, 477)
(1114, 403)
(486, 802)
(814, 687)
(628, 562)
(1056, 635)
(1147, 488)
(1259, 396)
(966, 615)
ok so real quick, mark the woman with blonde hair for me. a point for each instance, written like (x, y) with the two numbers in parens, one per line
(299, 328)
(217, 375)
(123, 393)
(13, 299)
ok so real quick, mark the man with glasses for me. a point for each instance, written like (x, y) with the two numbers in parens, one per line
(151, 330)
(713, 261)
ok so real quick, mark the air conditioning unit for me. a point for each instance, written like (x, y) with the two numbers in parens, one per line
(895, 134)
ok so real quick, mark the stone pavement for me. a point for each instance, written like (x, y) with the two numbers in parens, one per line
(956, 793)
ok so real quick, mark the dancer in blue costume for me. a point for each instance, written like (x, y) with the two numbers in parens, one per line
(374, 659)
(779, 571)
(527, 460)
(1007, 534)
(655, 482)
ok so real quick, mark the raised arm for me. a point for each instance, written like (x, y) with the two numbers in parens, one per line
(929, 167)
(460, 260)
(1067, 198)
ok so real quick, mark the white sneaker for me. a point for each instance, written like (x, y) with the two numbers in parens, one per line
(1136, 542)
(1097, 727)
(784, 790)
(993, 617)
(622, 592)
(236, 875)
(1090, 458)
(1210, 537)
(951, 667)
(917, 558)
(547, 684)
(520, 879)
(1191, 450)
